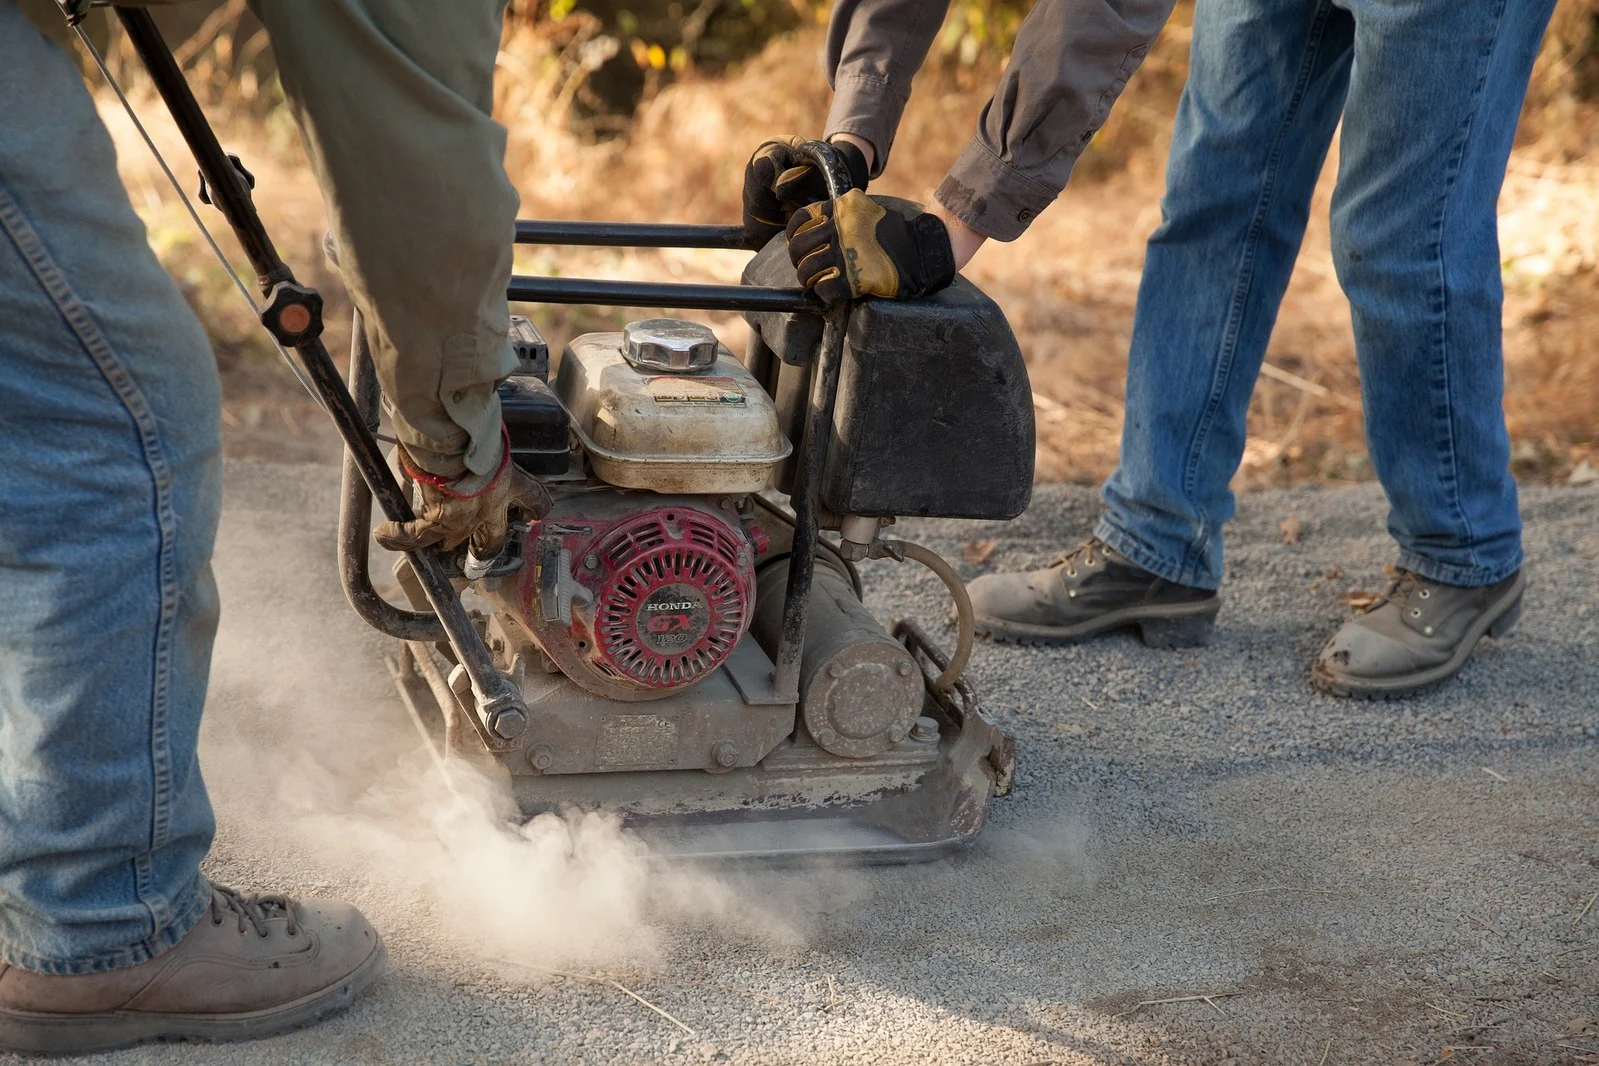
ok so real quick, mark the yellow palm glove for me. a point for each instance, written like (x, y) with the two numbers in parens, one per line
(854, 246)
(778, 181)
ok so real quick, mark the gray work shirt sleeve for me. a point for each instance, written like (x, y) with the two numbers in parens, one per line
(874, 49)
(1071, 60)
(395, 99)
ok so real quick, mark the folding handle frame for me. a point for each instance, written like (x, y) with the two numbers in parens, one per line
(293, 315)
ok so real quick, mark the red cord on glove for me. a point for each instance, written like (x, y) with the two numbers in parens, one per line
(443, 483)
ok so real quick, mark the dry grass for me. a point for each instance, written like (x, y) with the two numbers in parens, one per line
(1068, 286)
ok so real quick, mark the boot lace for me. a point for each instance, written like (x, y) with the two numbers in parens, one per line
(252, 912)
(1402, 585)
(1089, 553)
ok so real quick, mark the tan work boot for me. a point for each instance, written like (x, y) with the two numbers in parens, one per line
(1090, 590)
(251, 967)
(1418, 634)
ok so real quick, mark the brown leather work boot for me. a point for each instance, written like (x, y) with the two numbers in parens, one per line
(1418, 634)
(251, 967)
(1090, 590)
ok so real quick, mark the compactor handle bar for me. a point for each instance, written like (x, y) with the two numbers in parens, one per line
(646, 293)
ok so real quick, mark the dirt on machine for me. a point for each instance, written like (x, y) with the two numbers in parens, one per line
(643, 618)
(681, 639)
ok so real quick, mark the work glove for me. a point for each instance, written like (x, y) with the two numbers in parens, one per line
(854, 246)
(472, 507)
(777, 182)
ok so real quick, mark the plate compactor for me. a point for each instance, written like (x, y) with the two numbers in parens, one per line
(682, 640)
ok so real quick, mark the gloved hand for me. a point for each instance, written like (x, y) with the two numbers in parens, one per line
(777, 182)
(471, 507)
(854, 246)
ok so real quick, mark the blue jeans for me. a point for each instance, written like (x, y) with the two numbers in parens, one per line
(110, 479)
(1429, 92)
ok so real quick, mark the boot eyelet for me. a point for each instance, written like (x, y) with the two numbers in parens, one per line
(1071, 593)
(1070, 572)
(1426, 594)
(1428, 631)
(1415, 612)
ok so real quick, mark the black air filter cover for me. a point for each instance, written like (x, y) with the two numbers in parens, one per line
(536, 423)
(935, 412)
(532, 353)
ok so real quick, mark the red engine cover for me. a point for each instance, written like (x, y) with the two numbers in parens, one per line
(674, 597)
(672, 586)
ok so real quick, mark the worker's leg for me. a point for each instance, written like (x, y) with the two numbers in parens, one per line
(1265, 86)
(1433, 104)
(109, 492)
(1266, 82)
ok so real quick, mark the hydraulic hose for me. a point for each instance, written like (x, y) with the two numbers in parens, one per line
(965, 618)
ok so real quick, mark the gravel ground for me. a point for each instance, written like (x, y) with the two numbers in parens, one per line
(1346, 882)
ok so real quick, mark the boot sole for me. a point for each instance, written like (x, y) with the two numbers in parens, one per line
(1495, 622)
(1175, 626)
(76, 1034)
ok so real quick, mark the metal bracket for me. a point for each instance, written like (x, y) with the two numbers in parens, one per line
(293, 313)
(963, 712)
(238, 165)
(75, 10)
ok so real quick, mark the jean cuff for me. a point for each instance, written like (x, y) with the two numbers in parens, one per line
(187, 916)
(1460, 576)
(1124, 543)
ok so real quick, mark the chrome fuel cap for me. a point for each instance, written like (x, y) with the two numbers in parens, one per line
(668, 344)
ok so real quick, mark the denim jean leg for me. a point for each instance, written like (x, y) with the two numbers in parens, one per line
(109, 496)
(1436, 93)
(1266, 82)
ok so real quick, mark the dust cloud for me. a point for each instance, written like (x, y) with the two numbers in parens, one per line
(559, 891)
(319, 776)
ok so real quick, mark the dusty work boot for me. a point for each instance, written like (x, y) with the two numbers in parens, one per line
(1418, 633)
(251, 967)
(1087, 591)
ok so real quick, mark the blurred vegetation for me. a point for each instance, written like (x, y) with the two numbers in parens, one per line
(628, 50)
(632, 49)
(647, 109)
(607, 58)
